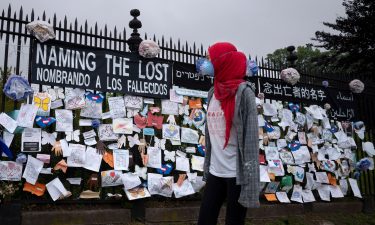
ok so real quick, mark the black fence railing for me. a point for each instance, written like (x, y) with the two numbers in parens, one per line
(15, 53)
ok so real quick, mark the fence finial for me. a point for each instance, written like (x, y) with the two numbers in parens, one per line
(292, 57)
(135, 24)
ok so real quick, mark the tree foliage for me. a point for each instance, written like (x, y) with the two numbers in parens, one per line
(307, 57)
(352, 46)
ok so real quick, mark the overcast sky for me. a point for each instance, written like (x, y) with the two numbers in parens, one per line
(256, 27)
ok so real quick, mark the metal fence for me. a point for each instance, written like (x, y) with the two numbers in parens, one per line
(15, 53)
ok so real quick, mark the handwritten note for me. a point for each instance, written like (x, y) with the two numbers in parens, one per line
(64, 120)
(10, 170)
(92, 109)
(169, 107)
(32, 169)
(7, 122)
(74, 98)
(116, 107)
(27, 114)
(189, 136)
(77, 156)
(89, 134)
(93, 159)
(133, 102)
(56, 189)
(121, 159)
(154, 157)
(106, 133)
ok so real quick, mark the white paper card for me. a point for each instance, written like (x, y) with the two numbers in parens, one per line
(89, 134)
(154, 157)
(354, 186)
(197, 162)
(93, 159)
(85, 123)
(26, 115)
(174, 97)
(297, 194)
(116, 107)
(77, 157)
(344, 186)
(111, 178)
(57, 104)
(189, 136)
(264, 177)
(336, 191)
(56, 189)
(169, 107)
(105, 132)
(302, 155)
(32, 169)
(121, 159)
(75, 180)
(271, 153)
(90, 141)
(182, 164)
(310, 182)
(106, 115)
(322, 177)
(324, 192)
(282, 197)
(123, 126)
(185, 189)
(308, 196)
(65, 148)
(159, 185)
(133, 102)
(8, 138)
(7, 122)
(64, 120)
(130, 180)
(31, 140)
(149, 101)
(10, 170)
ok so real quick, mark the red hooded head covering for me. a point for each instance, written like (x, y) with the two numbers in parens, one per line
(230, 69)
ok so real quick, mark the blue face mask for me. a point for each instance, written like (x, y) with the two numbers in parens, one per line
(204, 67)
(251, 68)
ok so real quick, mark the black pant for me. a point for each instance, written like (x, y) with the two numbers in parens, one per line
(216, 191)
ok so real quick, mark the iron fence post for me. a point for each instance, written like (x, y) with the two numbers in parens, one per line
(135, 24)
